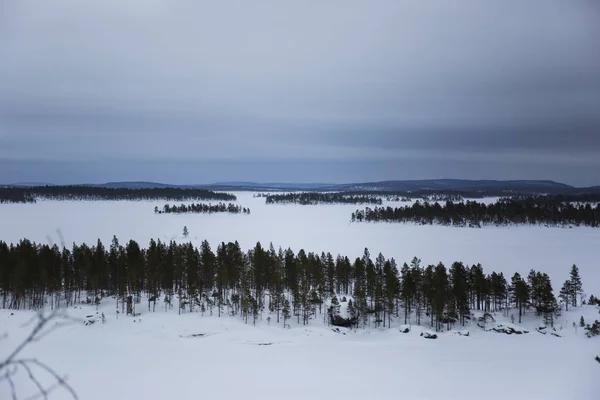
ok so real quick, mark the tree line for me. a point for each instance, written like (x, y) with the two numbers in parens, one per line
(311, 198)
(202, 209)
(282, 282)
(76, 192)
(506, 211)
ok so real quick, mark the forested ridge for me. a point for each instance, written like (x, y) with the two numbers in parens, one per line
(507, 211)
(298, 285)
(202, 209)
(31, 194)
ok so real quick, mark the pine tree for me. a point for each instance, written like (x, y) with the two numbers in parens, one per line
(520, 293)
(547, 305)
(565, 294)
(334, 310)
(460, 290)
(352, 313)
(581, 322)
(408, 286)
(185, 232)
(392, 287)
(440, 300)
(478, 285)
(575, 285)
(285, 311)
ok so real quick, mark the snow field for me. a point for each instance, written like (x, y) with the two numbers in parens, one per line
(155, 356)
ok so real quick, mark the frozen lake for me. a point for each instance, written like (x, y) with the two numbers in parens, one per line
(315, 228)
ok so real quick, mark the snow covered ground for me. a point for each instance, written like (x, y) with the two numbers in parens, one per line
(163, 355)
(156, 356)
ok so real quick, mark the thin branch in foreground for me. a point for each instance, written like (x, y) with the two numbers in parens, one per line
(37, 383)
(61, 381)
(12, 363)
(13, 390)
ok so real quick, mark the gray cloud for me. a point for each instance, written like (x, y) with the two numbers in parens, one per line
(309, 90)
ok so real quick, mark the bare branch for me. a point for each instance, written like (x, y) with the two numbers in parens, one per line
(12, 362)
(13, 390)
(43, 391)
(62, 381)
(46, 393)
(38, 333)
(42, 321)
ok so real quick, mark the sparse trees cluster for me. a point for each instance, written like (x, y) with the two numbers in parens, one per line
(202, 209)
(474, 214)
(31, 194)
(244, 283)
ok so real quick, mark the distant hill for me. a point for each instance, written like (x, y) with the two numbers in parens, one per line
(305, 186)
(462, 184)
(30, 184)
(136, 185)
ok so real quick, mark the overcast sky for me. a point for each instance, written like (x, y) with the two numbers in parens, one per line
(299, 91)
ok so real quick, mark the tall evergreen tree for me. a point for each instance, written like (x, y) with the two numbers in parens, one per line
(392, 287)
(575, 285)
(440, 299)
(520, 293)
(460, 290)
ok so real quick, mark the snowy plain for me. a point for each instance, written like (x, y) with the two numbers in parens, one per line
(153, 357)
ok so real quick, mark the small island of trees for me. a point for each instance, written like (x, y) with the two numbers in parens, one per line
(312, 198)
(202, 209)
(508, 211)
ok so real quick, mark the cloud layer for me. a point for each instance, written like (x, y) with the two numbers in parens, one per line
(194, 91)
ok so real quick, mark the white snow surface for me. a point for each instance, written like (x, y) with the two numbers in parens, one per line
(155, 356)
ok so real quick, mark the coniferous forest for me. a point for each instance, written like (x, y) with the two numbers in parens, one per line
(202, 209)
(508, 211)
(31, 194)
(302, 285)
